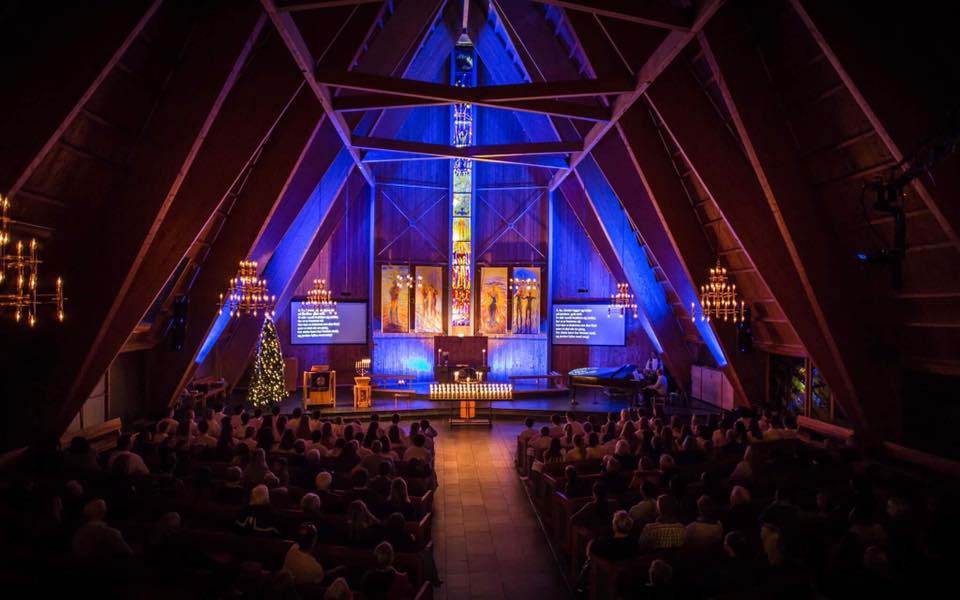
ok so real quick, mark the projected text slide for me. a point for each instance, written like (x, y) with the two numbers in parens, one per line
(586, 325)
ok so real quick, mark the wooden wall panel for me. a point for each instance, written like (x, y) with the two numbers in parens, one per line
(521, 355)
(577, 261)
(400, 354)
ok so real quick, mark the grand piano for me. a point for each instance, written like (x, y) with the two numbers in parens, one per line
(616, 380)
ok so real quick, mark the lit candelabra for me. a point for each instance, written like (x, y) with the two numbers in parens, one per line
(623, 301)
(247, 294)
(404, 280)
(524, 285)
(320, 299)
(24, 263)
(718, 299)
(362, 367)
(471, 391)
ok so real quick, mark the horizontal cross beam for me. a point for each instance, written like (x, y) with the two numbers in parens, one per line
(393, 92)
(539, 154)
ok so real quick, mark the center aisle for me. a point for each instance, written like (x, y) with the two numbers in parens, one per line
(488, 543)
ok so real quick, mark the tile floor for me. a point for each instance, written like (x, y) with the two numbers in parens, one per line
(488, 543)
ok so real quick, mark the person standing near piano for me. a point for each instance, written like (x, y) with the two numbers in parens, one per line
(652, 365)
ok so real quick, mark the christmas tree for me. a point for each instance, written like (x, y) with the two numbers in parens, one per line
(266, 385)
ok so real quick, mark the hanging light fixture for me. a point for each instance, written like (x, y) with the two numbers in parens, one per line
(320, 299)
(623, 301)
(718, 298)
(404, 281)
(24, 263)
(524, 285)
(247, 294)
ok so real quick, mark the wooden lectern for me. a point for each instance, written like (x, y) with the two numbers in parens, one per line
(362, 392)
(319, 386)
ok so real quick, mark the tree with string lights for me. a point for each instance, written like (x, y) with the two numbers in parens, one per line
(266, 384)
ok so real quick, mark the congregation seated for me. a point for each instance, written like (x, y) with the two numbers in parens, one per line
(199, 496)
(713, 508)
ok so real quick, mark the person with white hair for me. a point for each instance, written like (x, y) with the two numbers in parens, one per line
(96, 539)
(621, 545)
(257, 516)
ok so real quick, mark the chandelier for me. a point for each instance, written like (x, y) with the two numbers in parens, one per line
(404, 280)
(25, 266)
(523, 285)
(247, 294)
(623, 301)
(320, 299)
(718, 298)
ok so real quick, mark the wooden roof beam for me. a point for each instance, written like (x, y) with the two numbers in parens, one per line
(840, 306)
(661, 57)
(874, 56)
(292, 37)
(644, 12)
(126, 235)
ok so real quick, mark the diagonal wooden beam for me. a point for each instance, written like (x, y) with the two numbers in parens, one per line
(178, 129)
(285, 246)
(661, 57)
(287, 147)
(296, 5)
(728, 177)
(88, 93)
(834, 290)
(644, 12)
(874, 56)
(654, 196)
(665, 193)
(614, 234)
(292, 37)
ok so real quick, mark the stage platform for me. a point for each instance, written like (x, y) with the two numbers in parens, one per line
(415, 403)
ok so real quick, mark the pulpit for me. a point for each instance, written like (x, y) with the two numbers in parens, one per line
(319, 386)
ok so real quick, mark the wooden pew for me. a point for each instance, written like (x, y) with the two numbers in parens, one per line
(102, 437)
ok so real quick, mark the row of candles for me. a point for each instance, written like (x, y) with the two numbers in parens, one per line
(471, 391)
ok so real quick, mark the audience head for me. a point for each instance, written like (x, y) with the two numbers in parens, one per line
(260, 495)
(660, 573)
(307, 536)
(666, 462)
(739, 496)
(398, 490)
(419, 440)
(529, 422)
(646, 464)
(322, 481)
(667, 507)
(706, 508)
(123, 442)
(622, 448)
(648, 490)
(311, 503)
(338, 590)
(384, 554)
(95, 510)
(544, 431)
(622, 523)
(359, 478)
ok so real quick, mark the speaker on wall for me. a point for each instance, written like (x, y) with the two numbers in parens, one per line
(178, 325)
(745, 333)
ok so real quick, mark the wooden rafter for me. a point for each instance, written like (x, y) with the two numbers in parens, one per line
(393, 92)
(488, 153)
(840, 314)
(644, 12)
(57, 134)
(295, 6)
(661, 57)
(292, 37)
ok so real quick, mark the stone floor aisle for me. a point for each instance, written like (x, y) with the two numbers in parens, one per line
(488, 543)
